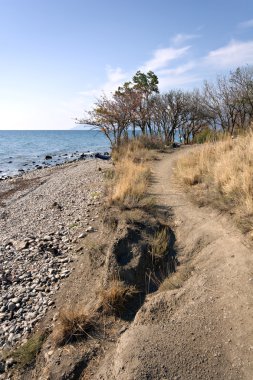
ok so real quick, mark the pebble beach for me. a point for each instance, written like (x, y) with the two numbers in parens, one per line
(42, 216)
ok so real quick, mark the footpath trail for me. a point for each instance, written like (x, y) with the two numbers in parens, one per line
(204, 330)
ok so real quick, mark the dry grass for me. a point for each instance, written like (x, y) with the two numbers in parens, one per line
(131, 176)
(116, 297)
(134, 150)
(177, 279)
(160, 244)
(131, 183)
(221, 174)
(73, 325)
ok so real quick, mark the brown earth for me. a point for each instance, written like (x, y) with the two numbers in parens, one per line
(204, 330)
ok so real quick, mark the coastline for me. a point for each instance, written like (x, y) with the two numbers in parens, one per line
(49, 161)
(44, 214)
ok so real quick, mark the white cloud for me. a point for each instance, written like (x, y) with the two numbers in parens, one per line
(246, 24)
(180, 76)
(181, 69)
(236, 53)
(162, 57)
(185, 74)
(181, 38)
(115, 75)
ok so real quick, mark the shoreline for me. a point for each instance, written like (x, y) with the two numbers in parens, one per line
(49, 161)
(44, 214)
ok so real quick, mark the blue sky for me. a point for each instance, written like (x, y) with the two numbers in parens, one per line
(57, 56)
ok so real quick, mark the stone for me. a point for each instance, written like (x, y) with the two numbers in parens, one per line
(9, 363)
(20, 245)
(11, 306)
(2, 367)
(90, 229)
(82, 235)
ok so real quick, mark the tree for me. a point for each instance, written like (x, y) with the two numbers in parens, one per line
(242, 85)
(145, 85)
(112, 116)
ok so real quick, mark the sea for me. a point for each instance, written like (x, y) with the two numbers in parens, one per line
(22, 151)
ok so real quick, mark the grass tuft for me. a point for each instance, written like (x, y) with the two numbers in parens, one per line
(160, 244)
(73, 325)
(116, 297)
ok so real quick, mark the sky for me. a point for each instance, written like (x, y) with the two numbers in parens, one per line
(58, 56)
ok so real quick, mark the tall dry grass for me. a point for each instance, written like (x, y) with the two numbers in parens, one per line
(221, 174)
(131, 175)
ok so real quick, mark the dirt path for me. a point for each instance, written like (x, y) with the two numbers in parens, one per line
(204, 330)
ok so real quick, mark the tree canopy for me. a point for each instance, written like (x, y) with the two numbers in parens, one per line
(226, 105)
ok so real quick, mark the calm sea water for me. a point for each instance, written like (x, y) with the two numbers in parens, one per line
(25, 149)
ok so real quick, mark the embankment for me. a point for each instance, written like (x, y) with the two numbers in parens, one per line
(166, 286)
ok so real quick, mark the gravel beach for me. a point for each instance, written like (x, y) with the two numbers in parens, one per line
(42, 215)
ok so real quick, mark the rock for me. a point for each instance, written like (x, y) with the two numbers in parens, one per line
(90, 229)
(11, 306)
(2, 316)
(2, 367)
(82, 235)
(47, 238)
(15, 300)
(9, 363)
(20, 245)
(48, 157)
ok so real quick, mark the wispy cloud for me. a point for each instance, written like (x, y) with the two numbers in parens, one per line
(178, 70)
(174, 68)
(236, 53)
(246, 24)
(115, 75)
(181, 38)
(162, 57)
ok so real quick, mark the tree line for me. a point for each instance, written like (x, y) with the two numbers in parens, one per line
(137, 106)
